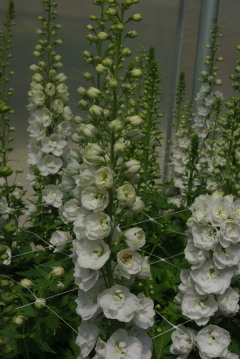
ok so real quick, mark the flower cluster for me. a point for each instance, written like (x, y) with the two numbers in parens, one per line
(213, 250)
(50, 116)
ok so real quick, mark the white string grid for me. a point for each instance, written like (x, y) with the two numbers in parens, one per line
(160, 259)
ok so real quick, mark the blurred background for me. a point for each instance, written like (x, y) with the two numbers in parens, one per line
(158, 28)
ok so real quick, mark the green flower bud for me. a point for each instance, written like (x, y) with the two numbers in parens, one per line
(126, 52)
(5, 171)
(136, 17)
(132, 34)
(19, 320)
(136, 73)
(57, 271)
(39, 303)
(102, 36)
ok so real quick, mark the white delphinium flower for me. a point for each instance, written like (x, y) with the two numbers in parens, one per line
(126, 195)
(229, 233)
(144, 316)
(220, 209)
(94, 199)
(135, 237)
(100, 349)
(229, 355)
(52, 196)
(195, 255)
(4, 206)
(228, 302)
(93, 154)
(54, 144)
(97, 226)
(200, 209)
(209, 279)
(145, 271)
(91, 254)
(50, 165)
(187, 284)
(213, 341)
(59, 240)
(199, 307)
(118, 303)
(41, 116)
(69, 211)
(85, 278)
(85, 175)
(129, 262)
(226, 257)
(204, 237)
(87, 336)
(145, 341)
(183, 339)
(236, 211)
(121, 345)
(103, 178)
(87, 304)
(80, 221)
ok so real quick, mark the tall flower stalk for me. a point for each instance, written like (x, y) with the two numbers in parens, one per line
(107, 257)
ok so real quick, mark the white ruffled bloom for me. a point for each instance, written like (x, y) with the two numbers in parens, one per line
(54, 144)
(100, 349)
(94, 199)
(204, 237)
(126, 195)
(91, 254)
(85, 174)
(52, 196)
(182, 342)
(69, 211)
(87, 304)
(97, 226)
(187, 284)
(194, 255)
(103, 178)
(50, 165)
(228, 302)
(118, 303)
(129, 262)
(79, 223)
(121, 345)
(59, 240)
(144, 316)
(87, 336)
(85, 278)
(199, 307)
(226, 257)
(145, 341)
(220, 209)
(229, 355)
(229, 233)
(41, 116)
(200, 209)
(135, 237)
(209, 279)
(213, 341)
(145, 271)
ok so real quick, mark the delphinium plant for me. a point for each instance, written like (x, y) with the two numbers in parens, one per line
(47, 269)
(11, 192)
(107, 250)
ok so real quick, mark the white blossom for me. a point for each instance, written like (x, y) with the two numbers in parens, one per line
(199, 307)
(94, 199)
(213, 341)
(228, 302)
(59, 240)
(91, 254)
(144, 316)
(85, 278)
(129, 262)
(103, 178)
(118, 303)
(87, 304)
(87, 336)
(54, 144)
(52, 196)
(182, 342)
(126, 195)
(135, 237)
(209, 279)
(80, 221)
(50, 165)
(69, 211)
(226, 257)
(121, 345)
(98, 225)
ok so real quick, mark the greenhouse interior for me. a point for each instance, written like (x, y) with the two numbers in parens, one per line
(119, 179)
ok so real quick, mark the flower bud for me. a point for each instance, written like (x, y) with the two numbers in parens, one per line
(26, 283)
(132, 34)
(111, 11)
(87, 130)
(101, 69)
(96, 111)
(102, 36)
(126, 52)
(107, 62)
(115, 125)
(2, 181)
(133, 166)
(135, 120)
(136, 73)
(39, 303)
(57, 271)
(137, 17)
(93, 92)
(19, 320)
